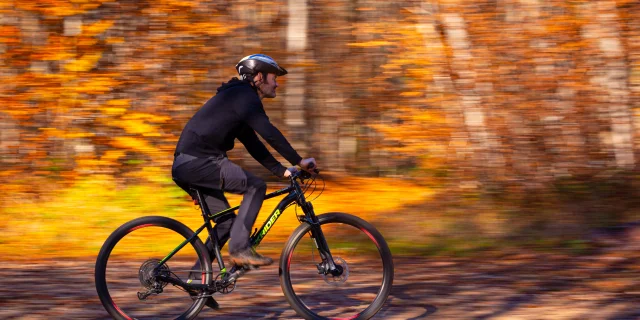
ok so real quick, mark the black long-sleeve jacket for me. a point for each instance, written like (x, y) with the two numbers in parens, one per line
(235, 112)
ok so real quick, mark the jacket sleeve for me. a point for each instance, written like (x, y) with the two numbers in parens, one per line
(253, 115)
(259, 152)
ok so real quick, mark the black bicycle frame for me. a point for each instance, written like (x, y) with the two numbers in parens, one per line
(295, 194)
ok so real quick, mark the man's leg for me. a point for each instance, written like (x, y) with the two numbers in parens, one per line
(239, 181)
(247, 214)
(216, 201)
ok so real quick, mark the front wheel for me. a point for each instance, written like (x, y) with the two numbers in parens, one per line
(362, 255)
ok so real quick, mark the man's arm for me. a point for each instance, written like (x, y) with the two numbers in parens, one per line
(257, 119)
(259, 152)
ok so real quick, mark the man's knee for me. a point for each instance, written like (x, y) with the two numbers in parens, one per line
(258, 184)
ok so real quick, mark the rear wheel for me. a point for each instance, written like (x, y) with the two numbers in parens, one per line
(124, 274)
(361, 288)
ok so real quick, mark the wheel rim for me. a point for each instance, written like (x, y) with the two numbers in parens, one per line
(127, 258)
(346, 296)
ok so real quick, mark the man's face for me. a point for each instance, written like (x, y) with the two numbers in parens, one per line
(268, 86)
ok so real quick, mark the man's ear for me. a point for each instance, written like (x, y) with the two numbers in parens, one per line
(258, 77)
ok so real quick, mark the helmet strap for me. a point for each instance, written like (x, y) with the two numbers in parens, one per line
(253, 83)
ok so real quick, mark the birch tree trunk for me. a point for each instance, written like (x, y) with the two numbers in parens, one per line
(463, 67)
(603, 34)
(429, 26)
(295, 103)
(331, 112)
(632, 38)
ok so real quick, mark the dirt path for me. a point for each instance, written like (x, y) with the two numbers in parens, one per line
(524, 286)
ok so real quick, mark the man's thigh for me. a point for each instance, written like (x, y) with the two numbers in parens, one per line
(236, 180)
(203, 173)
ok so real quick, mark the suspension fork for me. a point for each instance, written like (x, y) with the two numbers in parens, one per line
(327, 265)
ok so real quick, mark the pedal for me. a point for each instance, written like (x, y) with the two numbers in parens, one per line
(241, 270)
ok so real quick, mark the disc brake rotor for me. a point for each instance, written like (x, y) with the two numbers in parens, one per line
(341, 279)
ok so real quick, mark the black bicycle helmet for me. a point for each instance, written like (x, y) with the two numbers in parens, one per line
(255, 63)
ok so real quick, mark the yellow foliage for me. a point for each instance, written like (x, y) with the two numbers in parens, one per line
(57, 55)
(113, 40)
(74, 135)
(89, 163)
(113, 111)
(17, 112)
(9, 34)
(73, 224)
(85, 63)
(147, 116)
(6, 173)
(212, 28)
(53, 132)
(96, 85)
(58, 8)
(132, 143)
(412, 94)
(112, 155)
(135, 126)
(369, 44)
(178, 3)
(426, 117)
(87, 41)
(119, 102)
(97, 28)
(61, 11)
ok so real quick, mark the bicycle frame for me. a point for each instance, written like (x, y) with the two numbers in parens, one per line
(295, 194)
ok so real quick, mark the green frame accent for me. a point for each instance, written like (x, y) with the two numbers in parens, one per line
(259, 235)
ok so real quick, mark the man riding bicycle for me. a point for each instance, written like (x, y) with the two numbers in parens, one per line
(200, 158)
(201, 167)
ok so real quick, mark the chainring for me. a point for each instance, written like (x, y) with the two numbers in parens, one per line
(223, 285)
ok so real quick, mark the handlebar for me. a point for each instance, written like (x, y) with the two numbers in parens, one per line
(303, 175)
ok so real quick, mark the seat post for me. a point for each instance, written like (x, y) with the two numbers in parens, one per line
(213, 234)
(203, 204)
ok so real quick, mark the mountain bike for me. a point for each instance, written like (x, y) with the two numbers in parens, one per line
(333, 265)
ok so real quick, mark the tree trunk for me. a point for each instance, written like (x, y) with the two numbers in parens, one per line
(296, 88)
(328, 47)
(632, 37)
(485, 146)
(603, 33)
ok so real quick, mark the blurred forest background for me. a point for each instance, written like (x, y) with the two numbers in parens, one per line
(454, 126)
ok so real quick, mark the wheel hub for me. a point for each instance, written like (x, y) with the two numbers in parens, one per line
(148, 277)
(337, 280)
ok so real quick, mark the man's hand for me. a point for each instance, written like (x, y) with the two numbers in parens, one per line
(308, 164)
(290, 171)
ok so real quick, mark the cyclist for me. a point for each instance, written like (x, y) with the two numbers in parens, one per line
(200, 158)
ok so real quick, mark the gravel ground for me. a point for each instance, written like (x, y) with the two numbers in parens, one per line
(509, 286)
